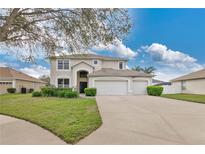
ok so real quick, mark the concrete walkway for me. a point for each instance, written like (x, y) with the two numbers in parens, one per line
(148, 120)
(15, 131)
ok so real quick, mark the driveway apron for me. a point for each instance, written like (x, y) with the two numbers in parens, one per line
(148, 120)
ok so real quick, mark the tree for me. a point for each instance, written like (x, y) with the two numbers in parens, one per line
(137, 68)
(149, 70)
(46, 79)
(50, 30)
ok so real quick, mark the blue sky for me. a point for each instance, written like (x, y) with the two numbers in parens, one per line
(172, 40)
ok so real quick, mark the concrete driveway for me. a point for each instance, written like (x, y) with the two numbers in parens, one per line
(148, 120)
(15, 131)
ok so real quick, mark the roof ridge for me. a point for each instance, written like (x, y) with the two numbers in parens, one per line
(89, 55)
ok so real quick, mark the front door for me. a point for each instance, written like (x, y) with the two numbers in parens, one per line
(83, 85)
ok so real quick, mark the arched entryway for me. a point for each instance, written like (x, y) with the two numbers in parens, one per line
(82, 80)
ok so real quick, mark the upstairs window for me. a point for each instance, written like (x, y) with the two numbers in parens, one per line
(121, 65)
(66, 64)
(60, 64)
(95, 62)
(63, 64)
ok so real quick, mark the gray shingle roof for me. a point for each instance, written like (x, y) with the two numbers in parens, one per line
(194, 75)
(89, 56)
(118, 73)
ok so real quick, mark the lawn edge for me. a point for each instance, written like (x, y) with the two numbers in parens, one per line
(59, 136)
(183, 100)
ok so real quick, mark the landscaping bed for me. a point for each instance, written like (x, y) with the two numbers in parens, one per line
(70, 119)
(186, 97)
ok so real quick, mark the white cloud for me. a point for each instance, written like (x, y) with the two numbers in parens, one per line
(9, 64)
(166, 75)
(35, 70)
(176, 59)
(118, 48)
(3, 64)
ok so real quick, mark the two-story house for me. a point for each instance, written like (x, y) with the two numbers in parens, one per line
(108, 74)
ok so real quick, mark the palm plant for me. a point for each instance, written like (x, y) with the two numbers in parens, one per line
(148, 70)
(137, 68)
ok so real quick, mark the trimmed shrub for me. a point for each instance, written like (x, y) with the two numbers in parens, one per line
(90, 91)
(71, 94)
(11, 90)
(30, 90)
(36, 94)
(55, 92)
(154, 90)
(61, 93)
(47, 91)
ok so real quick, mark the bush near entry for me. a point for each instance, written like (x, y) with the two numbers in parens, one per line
(36, 94)
(71, 94)
(90, 91)
(154, 90)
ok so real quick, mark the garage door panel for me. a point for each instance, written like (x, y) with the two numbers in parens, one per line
(109, 87)
(139, 87)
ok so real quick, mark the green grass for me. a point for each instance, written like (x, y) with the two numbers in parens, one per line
(70, 119)
(187, 97)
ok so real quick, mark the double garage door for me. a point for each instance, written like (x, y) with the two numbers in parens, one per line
(119, 87)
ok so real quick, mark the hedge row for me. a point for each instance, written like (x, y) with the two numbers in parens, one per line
(56, 92)
(11, 90)
(52, 91)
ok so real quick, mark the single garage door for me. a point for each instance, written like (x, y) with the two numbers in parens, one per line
(139, 87)
(111, 87)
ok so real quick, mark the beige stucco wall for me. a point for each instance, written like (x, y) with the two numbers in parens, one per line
(55, 74)
(71, 73)
(111, 64)
(3, 87)
(89, 61)
(195, 86)
(76, 69)
(28, 85)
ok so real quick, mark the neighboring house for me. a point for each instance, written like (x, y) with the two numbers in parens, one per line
(10, 78)
(108, 74)
(193, 83)
(156, 82)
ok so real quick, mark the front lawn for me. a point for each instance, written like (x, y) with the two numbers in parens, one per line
(70, 119)
(187, 97)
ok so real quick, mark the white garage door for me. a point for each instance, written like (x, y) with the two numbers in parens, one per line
(109, 87)
(139, 87)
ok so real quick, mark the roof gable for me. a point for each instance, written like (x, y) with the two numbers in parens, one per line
(82, 62)
(194, 75)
